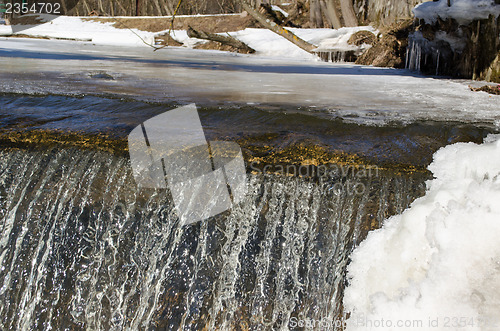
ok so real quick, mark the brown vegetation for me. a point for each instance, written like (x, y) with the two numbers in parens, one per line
(390, 50)
(362, 37)
(491, 89)
(214, 24)
(152, 7)
(222, 39)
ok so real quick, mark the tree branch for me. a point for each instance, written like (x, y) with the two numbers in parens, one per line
(225, 40)
(290, 36)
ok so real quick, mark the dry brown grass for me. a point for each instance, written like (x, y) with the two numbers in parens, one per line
(214, 24)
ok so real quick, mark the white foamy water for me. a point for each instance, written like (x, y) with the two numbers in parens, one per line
(81, 248)
(437, 265)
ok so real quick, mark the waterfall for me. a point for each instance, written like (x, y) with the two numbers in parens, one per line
(338, 55)
(82, 248)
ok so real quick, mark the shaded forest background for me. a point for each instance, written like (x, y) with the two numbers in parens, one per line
(304, 13)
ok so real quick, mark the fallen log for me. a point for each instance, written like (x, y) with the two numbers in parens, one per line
(267, 10)
(225, 40)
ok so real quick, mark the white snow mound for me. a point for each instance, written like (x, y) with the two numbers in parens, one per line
(437, 265)
(463, 11)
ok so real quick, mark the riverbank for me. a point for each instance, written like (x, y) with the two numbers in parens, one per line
(157, 32)
(356, 94)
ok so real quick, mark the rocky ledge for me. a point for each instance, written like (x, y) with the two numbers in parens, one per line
(448, 47)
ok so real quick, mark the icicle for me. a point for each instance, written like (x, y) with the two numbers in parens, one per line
(437, 63)
(407, 56)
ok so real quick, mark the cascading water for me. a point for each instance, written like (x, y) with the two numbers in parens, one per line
(338, 56)
(82, 248)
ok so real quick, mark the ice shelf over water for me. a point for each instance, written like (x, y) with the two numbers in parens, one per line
(360, 94)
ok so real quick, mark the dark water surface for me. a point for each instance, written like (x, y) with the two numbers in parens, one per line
(263, 130)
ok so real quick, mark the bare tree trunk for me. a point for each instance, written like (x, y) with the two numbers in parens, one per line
(169, 7)
(101, 8)
(7, 18)
(158, 8)
(288, 35)
(64, 9)
(87, 7)
(331, 14)
(124, 11)
(315, 14)
(348, 13)
(326, 20)
(137, 7)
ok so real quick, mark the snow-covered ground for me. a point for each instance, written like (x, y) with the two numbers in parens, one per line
(437, 265)
(70, 27)
(263, 41)
(463, 11)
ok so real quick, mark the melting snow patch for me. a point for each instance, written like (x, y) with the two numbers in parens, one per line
(463, 11)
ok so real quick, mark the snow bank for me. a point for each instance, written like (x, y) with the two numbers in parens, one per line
(268, 43)
(265, 42)
(70, 27)
(338, 39)
(463, 11)
(182, 37)
(437, 265)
